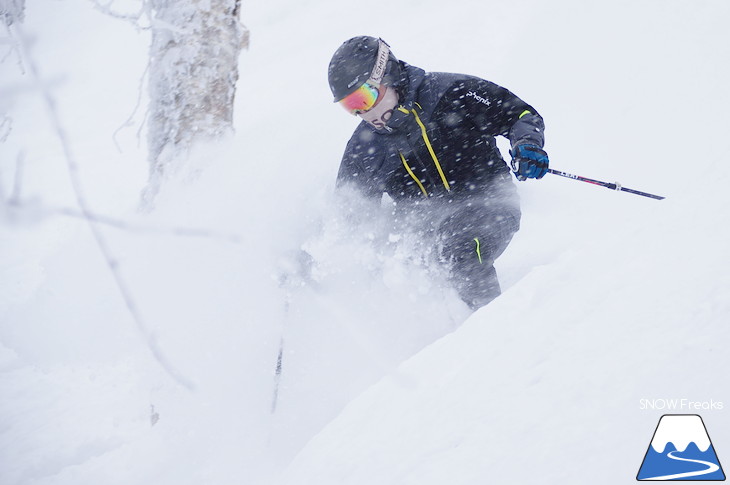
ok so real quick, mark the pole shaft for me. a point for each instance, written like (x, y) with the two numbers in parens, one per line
(608, 185)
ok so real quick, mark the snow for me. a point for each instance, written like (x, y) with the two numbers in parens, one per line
(681, 431)
(609, 298)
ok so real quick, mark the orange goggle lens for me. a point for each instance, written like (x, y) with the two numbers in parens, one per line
(362, 99)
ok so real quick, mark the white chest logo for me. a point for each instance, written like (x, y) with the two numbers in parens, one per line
(474, 95)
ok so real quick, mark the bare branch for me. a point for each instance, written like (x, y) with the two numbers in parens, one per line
(18, 182)
(123, 225)
(112, 264)
(14, 47)
(6, 126)
(12, 11)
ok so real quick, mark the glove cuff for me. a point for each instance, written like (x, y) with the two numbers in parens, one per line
(524, 142)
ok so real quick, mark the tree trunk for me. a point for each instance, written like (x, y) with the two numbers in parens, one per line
(192, 79)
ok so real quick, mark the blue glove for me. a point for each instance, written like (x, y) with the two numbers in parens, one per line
(529, 161)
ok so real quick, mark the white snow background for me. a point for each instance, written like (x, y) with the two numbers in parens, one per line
(608, 298)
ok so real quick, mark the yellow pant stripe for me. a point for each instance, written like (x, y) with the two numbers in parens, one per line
(479, 249)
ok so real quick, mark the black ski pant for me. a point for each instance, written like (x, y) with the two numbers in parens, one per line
(471, 238)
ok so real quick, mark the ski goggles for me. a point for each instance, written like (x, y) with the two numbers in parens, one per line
(362, 99)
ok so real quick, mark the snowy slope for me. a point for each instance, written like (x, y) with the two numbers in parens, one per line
(544, 385)
(609, 298)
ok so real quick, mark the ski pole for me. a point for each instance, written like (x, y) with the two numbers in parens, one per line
(277, 376)
(280, 356)
(294, 273)
(608, 185)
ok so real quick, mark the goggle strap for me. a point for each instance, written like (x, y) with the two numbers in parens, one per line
(381, 62)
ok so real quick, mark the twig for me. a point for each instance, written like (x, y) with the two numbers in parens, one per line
(128, 122)
(134, 19)
(138, 228)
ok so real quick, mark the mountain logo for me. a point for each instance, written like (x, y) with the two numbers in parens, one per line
(680, 450)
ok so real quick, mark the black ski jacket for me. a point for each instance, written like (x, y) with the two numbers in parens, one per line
(440, 141)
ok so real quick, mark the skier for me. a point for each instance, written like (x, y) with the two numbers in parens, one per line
(427, 139)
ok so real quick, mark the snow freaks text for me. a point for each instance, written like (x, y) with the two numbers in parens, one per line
(680, 405)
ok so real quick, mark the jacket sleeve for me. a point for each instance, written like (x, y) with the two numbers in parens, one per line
(357, 165)
(495, 111)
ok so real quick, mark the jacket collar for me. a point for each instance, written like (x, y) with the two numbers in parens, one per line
(407, 89)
